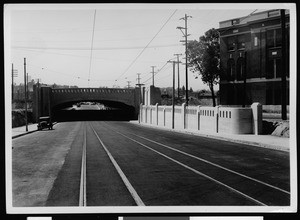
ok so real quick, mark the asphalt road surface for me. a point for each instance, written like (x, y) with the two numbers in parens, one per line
(110, 163)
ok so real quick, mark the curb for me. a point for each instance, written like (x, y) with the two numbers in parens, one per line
(256, 144)
(20, 135)
(29, 132)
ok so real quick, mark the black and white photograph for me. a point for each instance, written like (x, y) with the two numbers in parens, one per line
(150, 108)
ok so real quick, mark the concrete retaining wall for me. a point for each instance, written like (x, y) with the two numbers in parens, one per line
(235, 120)
(274, 108)
(232, 120)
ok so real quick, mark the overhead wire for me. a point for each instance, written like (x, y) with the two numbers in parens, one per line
(95, 48)
(156, 73)
(131, 64)
(80, 56)
(68, 75)
(91, 55)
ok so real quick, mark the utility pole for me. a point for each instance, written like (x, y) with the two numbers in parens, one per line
(128, 84)
(153, 74)
(173, 97)
(139, 80)
(185, 35)
(245, 80)
(173, 93)
(25, 93)
(178, 54)
(283, 66)
(13, 74)
(12, 82)
(27, 88)
(38, 98)
(139, 84)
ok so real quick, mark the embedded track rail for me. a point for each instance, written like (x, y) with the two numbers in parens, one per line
(195, 164)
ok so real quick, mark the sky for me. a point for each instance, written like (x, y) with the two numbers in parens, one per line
(107, 45)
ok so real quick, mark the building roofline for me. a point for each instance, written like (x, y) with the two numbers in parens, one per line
(249, 21)
(257, 13)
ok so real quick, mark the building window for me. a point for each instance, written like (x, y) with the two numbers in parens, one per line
(241, 42)
(235, 21)
(274, 68)
(231, 43)
(274, 38)
(231, 70)
(240, 69)
(255, 41)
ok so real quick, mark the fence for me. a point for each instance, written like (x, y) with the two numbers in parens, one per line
(232, 120)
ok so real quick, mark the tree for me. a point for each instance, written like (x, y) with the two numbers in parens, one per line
(183, 89)
(204, 59)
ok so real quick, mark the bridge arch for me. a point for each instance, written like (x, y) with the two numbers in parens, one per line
(109, 110)
(48, 101)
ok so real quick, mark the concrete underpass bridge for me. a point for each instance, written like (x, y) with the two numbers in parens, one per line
(47, 101)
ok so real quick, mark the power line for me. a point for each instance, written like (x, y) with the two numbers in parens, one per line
(101, 40)
(79, 30)
(92, 47)
(95, 48)
(72, 76)
(146, 45)
(156, 72)
(75, 55)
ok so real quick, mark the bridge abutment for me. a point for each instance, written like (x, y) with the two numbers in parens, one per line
(41, 102)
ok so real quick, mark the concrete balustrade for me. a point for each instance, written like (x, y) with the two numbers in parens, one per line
(232, 120)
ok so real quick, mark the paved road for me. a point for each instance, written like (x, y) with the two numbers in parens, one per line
(124, 164)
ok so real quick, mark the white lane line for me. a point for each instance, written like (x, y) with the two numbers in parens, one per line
(216, 165)
(130, 188)
(82, 192)
(195, 171)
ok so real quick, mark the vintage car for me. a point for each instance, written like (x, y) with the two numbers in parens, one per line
(45, 122)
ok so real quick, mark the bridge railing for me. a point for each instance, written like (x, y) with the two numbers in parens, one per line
(233, 120)
(91, 90)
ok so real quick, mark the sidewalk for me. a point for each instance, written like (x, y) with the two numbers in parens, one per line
(20, 131)
(266, 141)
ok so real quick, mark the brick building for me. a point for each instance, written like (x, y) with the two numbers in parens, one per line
(252, 45)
